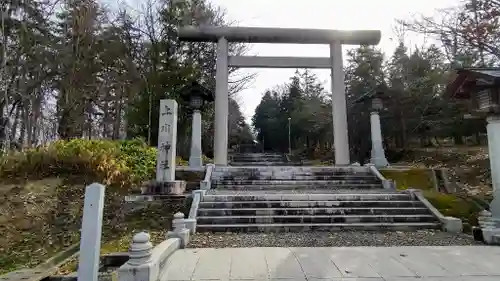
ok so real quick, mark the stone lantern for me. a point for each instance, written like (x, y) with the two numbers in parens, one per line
(375, 100)
(195, 96)
(479, 87)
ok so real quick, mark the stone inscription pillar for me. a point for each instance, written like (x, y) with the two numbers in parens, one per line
(339, 110)
(167, 141)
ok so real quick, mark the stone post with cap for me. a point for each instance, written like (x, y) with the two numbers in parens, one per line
(138, 267)
(179, 229)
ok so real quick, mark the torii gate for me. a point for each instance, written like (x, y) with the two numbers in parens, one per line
(335, 38)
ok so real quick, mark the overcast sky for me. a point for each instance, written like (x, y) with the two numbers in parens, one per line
(328, 14)
(324, 14)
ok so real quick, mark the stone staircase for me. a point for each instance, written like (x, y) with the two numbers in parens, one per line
(258, 159)
(287, 198)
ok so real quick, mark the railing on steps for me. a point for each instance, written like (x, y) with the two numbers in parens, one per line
(193, 211)
(197, 195)
(449, 224)
(205, 184)
(387, 184)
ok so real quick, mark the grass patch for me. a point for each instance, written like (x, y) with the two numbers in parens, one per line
(36, 222)
(448, 204)
(410, 178)
(42, 218)
(454, 206)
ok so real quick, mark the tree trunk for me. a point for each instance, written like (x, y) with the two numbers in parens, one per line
(458, 139)
(118, 115)
(105, 120)
(29, 126)
(71, 116)
(404, 138)
(13, 130)
(24, 122)
(36, 120)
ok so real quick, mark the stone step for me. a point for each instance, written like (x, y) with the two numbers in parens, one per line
(251, 171)
(219, 220)
(258, 159)
(296, 185)
(256, 154)
(253, 163)
(328, 191)
(283, 197)
(299, 227)
(251, 187)
(313, 211)
(323, 180)
(261, 158)
(297, 169)
(259, 177)
(310, 204)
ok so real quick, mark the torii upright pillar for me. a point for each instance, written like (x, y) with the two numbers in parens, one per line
(221, 127)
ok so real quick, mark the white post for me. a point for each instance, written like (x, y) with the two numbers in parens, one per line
(339, 110)
(90, 241)
(221, 104)
(378, 155)
(493, 130)
(167, 141)
(195, 157)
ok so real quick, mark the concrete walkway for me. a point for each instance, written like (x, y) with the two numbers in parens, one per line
(467, 263)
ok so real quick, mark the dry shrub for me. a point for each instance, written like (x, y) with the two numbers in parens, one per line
(122, 163)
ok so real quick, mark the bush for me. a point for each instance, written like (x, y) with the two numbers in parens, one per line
(140, 158)
(110, 162)
(206, 160)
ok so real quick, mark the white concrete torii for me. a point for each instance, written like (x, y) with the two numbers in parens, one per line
(335, 38)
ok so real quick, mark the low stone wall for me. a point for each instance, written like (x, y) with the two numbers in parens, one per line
(146, 263)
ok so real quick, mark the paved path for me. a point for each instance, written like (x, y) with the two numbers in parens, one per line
(474, 263)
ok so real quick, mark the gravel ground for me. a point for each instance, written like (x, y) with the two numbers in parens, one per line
(330, 239)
